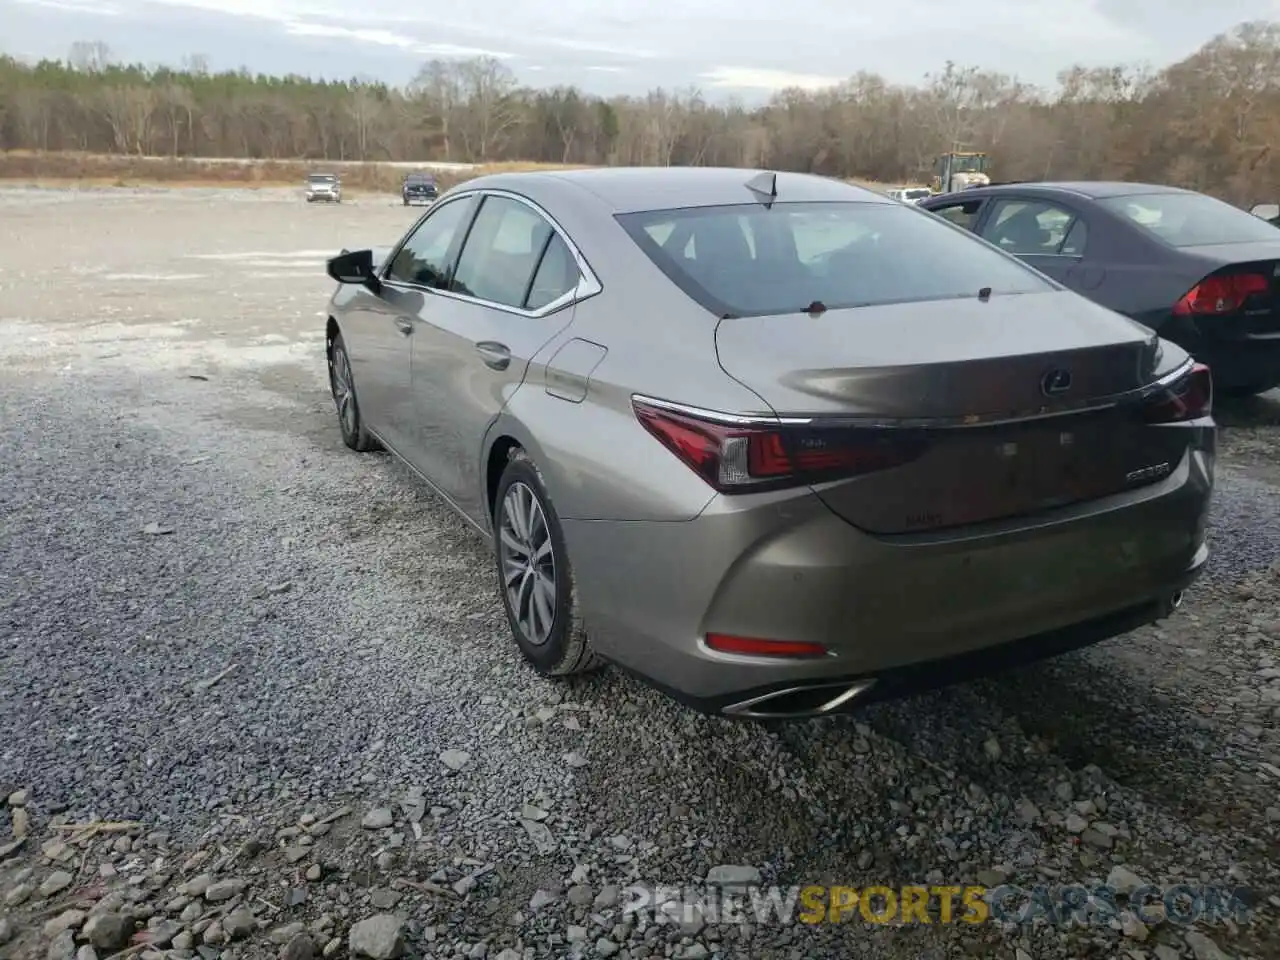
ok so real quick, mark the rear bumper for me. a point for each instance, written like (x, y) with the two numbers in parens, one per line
(906, 611)
(1243, 362)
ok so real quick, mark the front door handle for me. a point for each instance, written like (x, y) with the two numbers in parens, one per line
(404, 326)
(495, 355)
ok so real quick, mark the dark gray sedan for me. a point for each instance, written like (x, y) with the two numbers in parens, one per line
(1200, 272)
(777, 443)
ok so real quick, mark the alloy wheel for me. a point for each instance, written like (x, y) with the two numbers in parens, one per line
(343, 392)
(528, 563)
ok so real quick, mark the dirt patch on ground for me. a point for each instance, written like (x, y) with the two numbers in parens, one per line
(94, 170)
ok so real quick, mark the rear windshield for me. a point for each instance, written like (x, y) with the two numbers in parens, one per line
(917, 194)
(748, 260)
(1190, 219)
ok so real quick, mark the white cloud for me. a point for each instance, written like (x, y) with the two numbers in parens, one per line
(606, 69)
(754, 45)
(82, 7)
(389, 38)
(587, 46)
(749, 78)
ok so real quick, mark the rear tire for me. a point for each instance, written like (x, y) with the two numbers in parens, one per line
(343, 388)
(535, 579)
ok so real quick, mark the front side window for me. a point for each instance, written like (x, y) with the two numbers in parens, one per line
(424, 258)
(1031, 227)
(503, 253)
(749, 260)
(1190, 219)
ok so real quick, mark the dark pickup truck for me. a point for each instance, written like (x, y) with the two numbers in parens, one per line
(419, 188)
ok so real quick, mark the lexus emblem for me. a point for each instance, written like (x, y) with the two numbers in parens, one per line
(1055, 382)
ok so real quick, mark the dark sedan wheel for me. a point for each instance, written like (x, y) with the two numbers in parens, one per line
(534, 574)
(343, 387)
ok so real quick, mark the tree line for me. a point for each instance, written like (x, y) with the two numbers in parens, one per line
(1208, 122)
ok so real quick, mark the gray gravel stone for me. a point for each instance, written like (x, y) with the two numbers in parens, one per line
(221, 890)
(66, 920)
(239, 923)
(378, 937)
(63, 947)
(56, 882)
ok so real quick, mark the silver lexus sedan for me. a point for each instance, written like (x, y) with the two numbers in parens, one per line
(776, 443)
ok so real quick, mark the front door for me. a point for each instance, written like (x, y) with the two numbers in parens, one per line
(510, 293)
(420, 265)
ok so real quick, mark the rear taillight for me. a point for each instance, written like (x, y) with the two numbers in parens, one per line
(737, 458)
(1188, 398)
(1224, 293)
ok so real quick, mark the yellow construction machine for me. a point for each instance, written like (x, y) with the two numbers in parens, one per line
(958, 171)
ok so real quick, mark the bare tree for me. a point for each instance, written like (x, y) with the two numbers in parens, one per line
(89, 56)
(1210, 121)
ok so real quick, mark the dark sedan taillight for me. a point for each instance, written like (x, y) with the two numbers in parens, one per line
(1221, 293)
(1188, 398)
(740, 458)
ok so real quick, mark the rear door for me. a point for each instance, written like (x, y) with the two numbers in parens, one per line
(1048, 234)
(513, 290)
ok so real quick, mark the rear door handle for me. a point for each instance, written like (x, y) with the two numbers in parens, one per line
(405, 326)
(495, 355)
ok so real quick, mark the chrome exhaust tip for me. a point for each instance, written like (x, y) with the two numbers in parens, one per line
(1170, 604)
(799, 702)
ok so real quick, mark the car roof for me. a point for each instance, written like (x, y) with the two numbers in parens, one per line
(634, 189)
(1091, 189)
(322, 176)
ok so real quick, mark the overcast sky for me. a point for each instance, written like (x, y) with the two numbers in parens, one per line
(746, 48)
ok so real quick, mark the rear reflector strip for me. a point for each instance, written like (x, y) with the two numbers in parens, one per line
(752, 647)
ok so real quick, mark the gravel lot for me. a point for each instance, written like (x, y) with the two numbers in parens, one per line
(219, 628)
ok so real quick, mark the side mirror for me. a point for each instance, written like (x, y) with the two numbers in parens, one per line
(1267, 211)
(353, 266)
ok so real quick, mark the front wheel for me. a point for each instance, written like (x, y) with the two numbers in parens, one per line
(534, 575)
(343, 388)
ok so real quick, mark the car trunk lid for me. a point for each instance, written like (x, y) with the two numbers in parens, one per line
(999, 402)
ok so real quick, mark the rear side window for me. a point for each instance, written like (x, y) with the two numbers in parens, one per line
(749, 260)
(1189, 219)
(502, 252)
(557, 275)
(1031, 227)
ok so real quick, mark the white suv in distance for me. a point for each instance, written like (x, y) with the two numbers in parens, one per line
(911, 194)
(324, 186)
